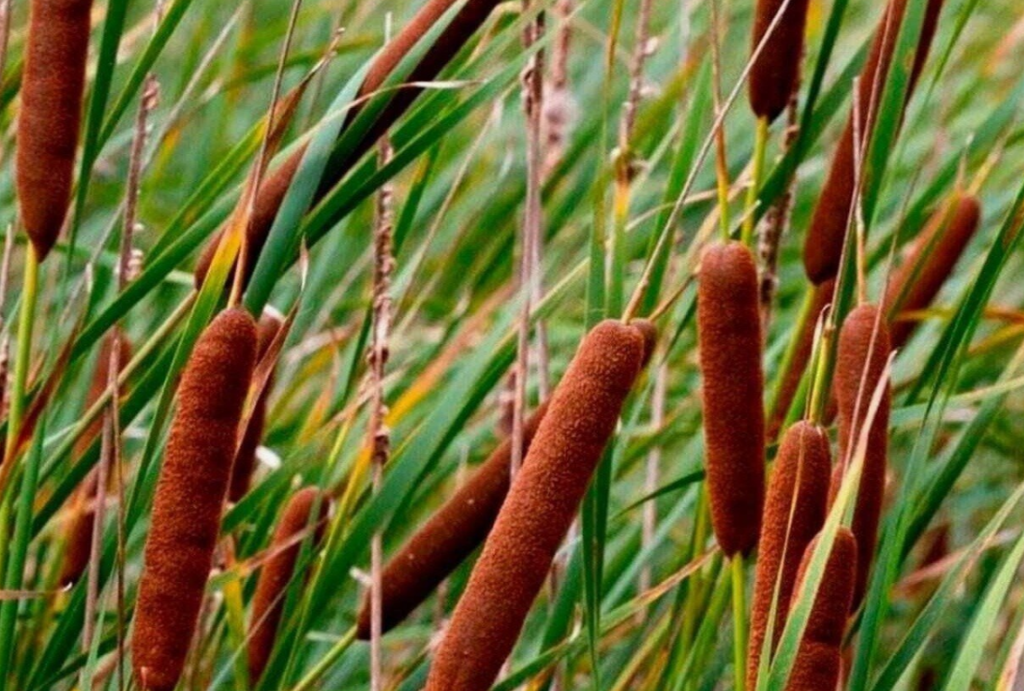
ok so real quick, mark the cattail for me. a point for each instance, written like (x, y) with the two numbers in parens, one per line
(775, 73)
(452, 39)
(245, 460)
(819, 658)
(649, 331)
(277, 573)
(790, 381)
(798, 488)
(447, 539)
(861, 362)
(930, 261)
(79, 542)
(51, 108)
(823, 245)
(189, 498)
(539, 509)
(729, 336)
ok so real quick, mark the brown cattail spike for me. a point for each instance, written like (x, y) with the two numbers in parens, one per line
(819, 657)
(245, 460)
(189, 498)
(278, 571)
(539, 508)
(51, 108)
(794, 513)
(823, 246)
(729, 336)
(861, 362)
(775, 73)
(929, 263)
(447, 539)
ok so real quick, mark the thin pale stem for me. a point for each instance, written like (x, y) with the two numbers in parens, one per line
(739, 621)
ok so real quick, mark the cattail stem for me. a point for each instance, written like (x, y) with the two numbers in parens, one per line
(333, 655)
(721, 160)
(760, 145)
(739, 621)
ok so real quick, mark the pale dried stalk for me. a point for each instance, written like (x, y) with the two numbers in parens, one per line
(559, 108)
(771, 232)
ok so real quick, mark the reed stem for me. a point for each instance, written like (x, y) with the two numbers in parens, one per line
(739, 618)
(26, 317)
(760, 144)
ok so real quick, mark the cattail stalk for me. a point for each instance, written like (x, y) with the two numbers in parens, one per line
(279, 571)
(729, 339)
(190, 494)
(794, 513)
(538, 510)
(861, 364)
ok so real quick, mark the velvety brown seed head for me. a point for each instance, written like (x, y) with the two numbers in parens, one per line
(859, 359)
(790, 382)
(447, 539)
(538, 510)
(819, 657)
(823, 245)
(51, 107)
(649, 331)
(189, 497)
(775, 73)
(245, 460)
(798, 488)
(729, 337)
(278, 571)
(930, 261)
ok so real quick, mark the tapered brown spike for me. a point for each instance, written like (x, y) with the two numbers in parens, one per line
(279, 570)
(776, 72)
(729, 338)
(823, 244)
(447, 539)
(794, 513)
(538, 510)
(930, 261)
(861, 361)
(819, 657)
(53, 81)
(189, 498)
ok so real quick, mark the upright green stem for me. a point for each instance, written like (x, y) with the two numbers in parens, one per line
(739, 619)
(26, 317)
(760, 144)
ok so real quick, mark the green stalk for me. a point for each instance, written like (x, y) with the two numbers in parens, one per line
(739, 620)
(760, 144)
(26, 317)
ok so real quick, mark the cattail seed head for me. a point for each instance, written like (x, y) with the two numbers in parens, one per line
(189, 498)
(823, 245)
(245, 460)
(775, 73)
(278, 571)
(799, 489)
(819, 657)
(538, 510)
(861, 361)
(447, 539)
(729, 338)
(51, 107)
(929, 263)
(649, 331)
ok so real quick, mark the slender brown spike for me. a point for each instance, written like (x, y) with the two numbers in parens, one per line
(929, 263)
(729, 337)
(449, 43)
(790, 382)
(539, 509)
(189, 498)
(649, 331)
(823, 245)
(776, 72)
(56, 51)
(245, 460)
(278, 571)
(79, 534)
(861, 363)
(447, 539)
(819, 658)
(799, 488)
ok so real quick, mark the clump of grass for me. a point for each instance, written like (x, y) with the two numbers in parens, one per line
(794, 513)
(729, 333)
(930, 261)
(51, 104)
(776, 71)
(818, 661)
(278, 572)
(447, 539)
(861, 361)
(539, 509)
(189, 498)
(245, 460)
